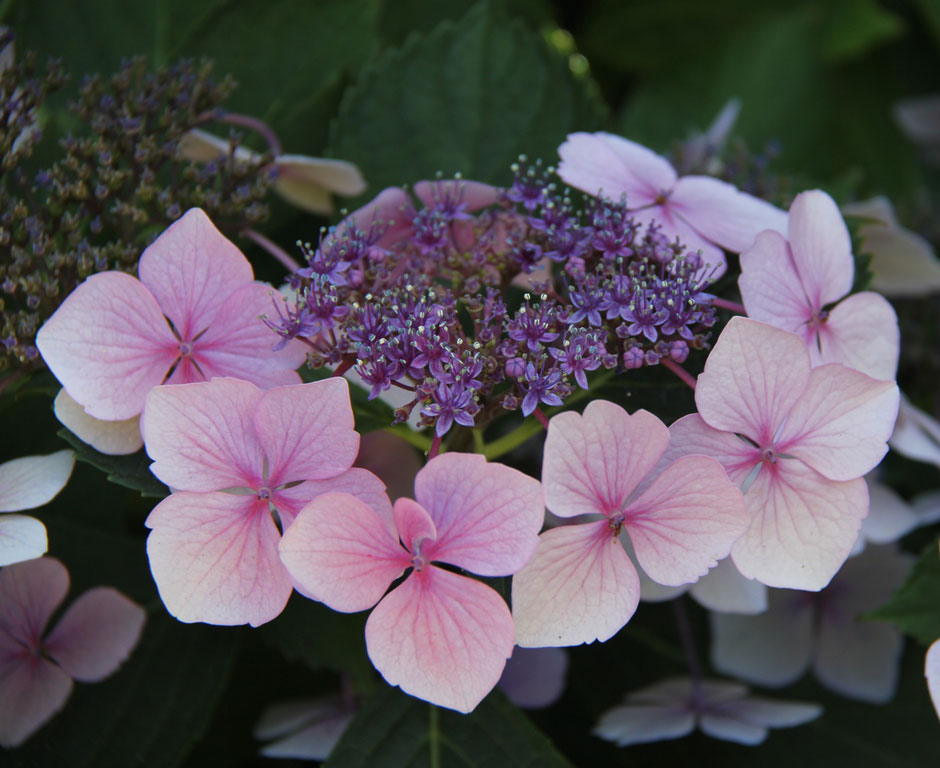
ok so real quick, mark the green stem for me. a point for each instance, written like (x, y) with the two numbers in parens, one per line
(419, 441)
(478, 446)
(434, 738)
(531, 427)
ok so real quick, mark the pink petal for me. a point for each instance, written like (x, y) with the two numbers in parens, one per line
(593, 461)
(29, 593)
(32, 690)
(858, 658)
(579, 587)
(752, 378)
(116, 438)
(240, 345)
(315, 740)
(861, 333)
(534, 677)
(306, 431)
(357, 482)
(889, 516)
(722, 214)
(608, 165)
(771, 288)
(916, 434)
(109, 343)
(725, 590)
(21, 538)
(201, 436)
(691, 435)
(391, 210)
(822, 250)
(841, 423)
(214, 559)
(488, 516)
(773, 648)
(672, 227)
(474, 194)
(642, 724)
(192, 270)
(931, 672)
(306, 182)
(339, 552)
(803, 526)
(33, 481)
(441, 637)
(413, 523)
(686, 521)
(96, 634)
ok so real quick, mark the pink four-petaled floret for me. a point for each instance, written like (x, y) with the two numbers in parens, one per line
(580, 585)
(192, 316)
(438, 635)
(706, 214)
(242, 463)
(798, 440)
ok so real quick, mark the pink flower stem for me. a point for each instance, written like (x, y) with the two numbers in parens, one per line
(259, 126)
(688, 645)
(273, 248)
(733, 306)
(344, 366)
(681, 372)
(435, 447)
(543, 419)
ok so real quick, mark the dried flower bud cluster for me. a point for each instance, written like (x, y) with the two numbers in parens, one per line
(111, 191)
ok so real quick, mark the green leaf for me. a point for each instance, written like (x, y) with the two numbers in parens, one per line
(288, 57)
(131, 471)
(370, 414)
(397, 731)
(309, 632)
(469, 98)
(915, 607)
(854, 26)
(149, 713)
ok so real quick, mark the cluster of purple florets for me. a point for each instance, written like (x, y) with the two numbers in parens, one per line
(510, 306)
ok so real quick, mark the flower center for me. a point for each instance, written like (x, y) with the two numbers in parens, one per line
(768, 456)
(818, 319)
(264, 493)
(185, 348)
(615, 523)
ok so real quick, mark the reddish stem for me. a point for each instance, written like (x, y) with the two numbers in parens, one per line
(681, 372)
(273, 248)
(543, 419)
(733, 306)
(435, 447)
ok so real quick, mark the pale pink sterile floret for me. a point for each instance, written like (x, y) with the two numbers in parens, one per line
(92, 639)
(853, 657)
(580, 585)
(797, 439)
(438, 635)
(193, 315)
(26, 483)
(790, 283)
(932, 673)
(706, 214)
(242, 462)
(673, 708)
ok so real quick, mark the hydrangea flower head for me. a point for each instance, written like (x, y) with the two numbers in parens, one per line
(193, 315)
(91, 640)
(580, 585)
(242, 462)
(438, 635)
(791, 282)
(704, 213)
(26, 483)
(798, 440)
